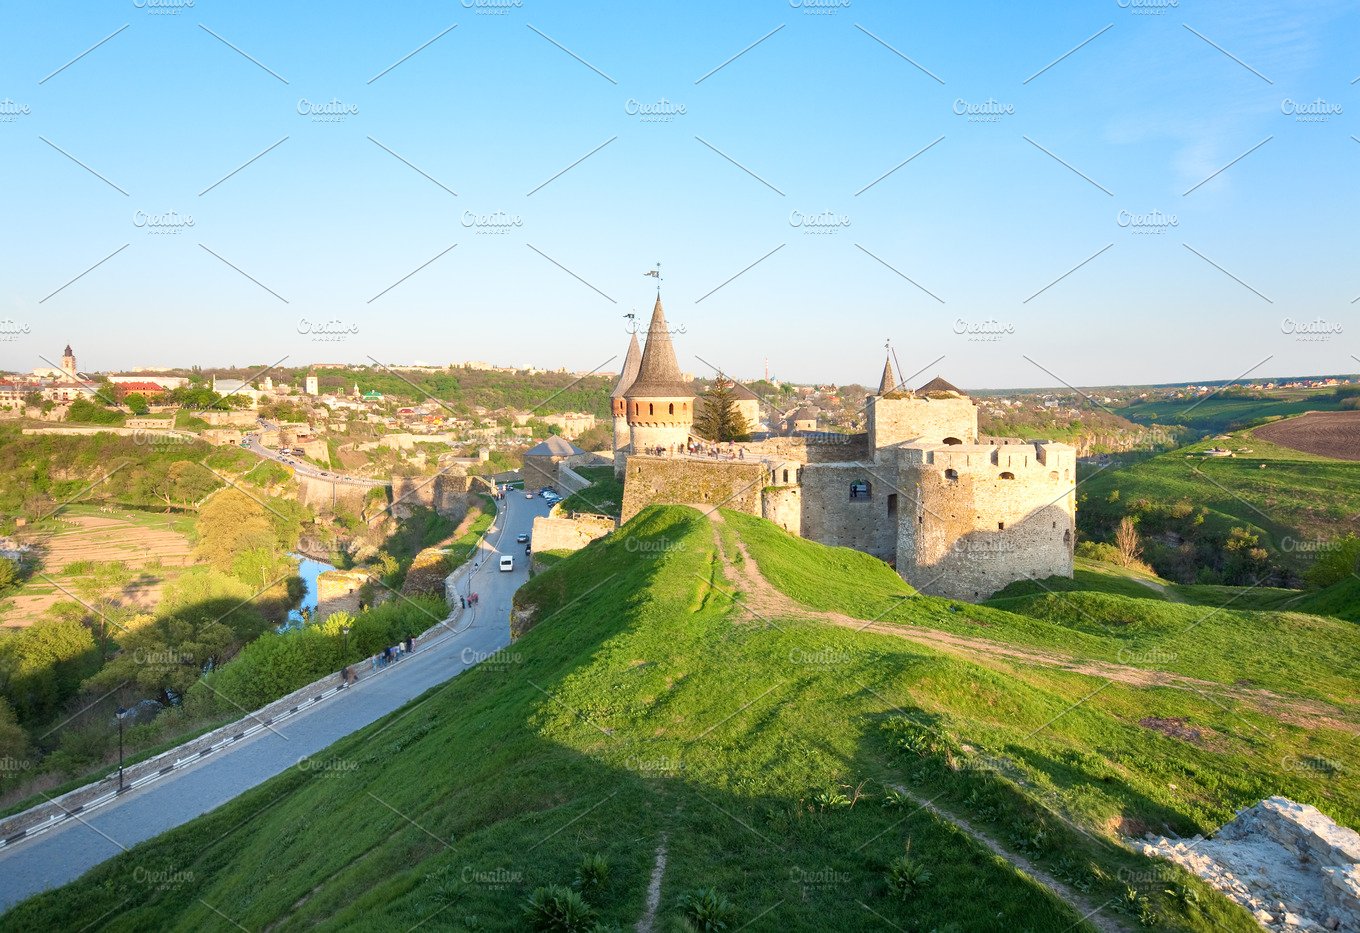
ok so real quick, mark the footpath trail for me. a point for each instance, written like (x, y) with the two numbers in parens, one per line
(762, 599)
(65, 853)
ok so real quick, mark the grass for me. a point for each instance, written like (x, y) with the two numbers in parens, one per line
(604, 495)
(1227, 412)
(1273, 650)
(641, 705)
(1287, 497)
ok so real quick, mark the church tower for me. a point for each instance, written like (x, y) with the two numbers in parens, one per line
(622, 435)
(659, 405)
(68, 363)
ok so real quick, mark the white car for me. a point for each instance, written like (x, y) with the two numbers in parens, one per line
(507, 562)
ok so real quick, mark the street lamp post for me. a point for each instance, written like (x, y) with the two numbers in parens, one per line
(120, 714)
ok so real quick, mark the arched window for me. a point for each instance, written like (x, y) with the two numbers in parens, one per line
(786, 476)
(1008, 475)
(859, 490)
(951, 475)
(672, 411)
(651, 409)
(1053, 474)
(952, 441)
(1067, 537)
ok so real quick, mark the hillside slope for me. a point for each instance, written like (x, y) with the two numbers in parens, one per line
(664, 713)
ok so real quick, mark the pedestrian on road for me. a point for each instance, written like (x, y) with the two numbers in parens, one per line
(462, 602)
(410, 644)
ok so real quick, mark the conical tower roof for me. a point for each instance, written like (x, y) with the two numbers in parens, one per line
(631, 361)
(659, 373)
(888, 383)
(940, 385)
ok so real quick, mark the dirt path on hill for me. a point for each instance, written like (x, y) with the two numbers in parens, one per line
(1089, 910)
(761, 599)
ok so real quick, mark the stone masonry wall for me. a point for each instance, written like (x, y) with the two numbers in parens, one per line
(681, 481)
(783, 505)
(815, 448)
(568, 534)
(830, 516)
(338, 591)
(894, 420)
(968, 534)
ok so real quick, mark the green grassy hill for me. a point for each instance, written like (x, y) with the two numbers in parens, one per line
(1289, 501)
(696, 695)
(1232, 408)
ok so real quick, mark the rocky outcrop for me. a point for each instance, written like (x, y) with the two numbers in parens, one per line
(1288, 863)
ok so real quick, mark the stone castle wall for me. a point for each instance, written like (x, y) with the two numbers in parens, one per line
(824, 447)
(682, 481)
(445, 493)
(783, 505)
(830, 516)
(568, 534)
(539, 472)
(894, 420)
(338, 591)
(968, 530)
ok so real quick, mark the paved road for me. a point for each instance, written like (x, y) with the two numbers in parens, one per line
(63, 854)
(306, 469)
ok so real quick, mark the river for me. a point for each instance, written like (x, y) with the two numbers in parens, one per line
(308, 569)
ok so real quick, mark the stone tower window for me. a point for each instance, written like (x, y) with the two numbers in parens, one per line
(859, 490)
(786, 476)
(1008, 475)
(1000, 526)
(651, 409)
(951, 475)
(952, 441)
(672, 411)
(1053, 474)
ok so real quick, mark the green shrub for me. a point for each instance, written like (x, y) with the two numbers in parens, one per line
(707, 910)
(906, 876)
(592, 874)
(558, 908)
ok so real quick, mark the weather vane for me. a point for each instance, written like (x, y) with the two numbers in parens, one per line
(631, 317)
(656, 274)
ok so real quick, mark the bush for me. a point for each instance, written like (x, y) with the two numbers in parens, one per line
(592, 873)
(906, 876)
(708, 910)
(558, 908)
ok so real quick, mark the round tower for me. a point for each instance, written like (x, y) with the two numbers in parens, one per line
(619, 406)
(659, 405)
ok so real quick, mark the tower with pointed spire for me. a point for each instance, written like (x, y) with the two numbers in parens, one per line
(68, 363)
(623, 436)
(659, 403)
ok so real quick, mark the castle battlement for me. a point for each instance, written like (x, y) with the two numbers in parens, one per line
(957, 513)
(1032, 456)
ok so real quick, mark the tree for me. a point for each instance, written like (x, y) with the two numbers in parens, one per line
(137, 402)
(1127, 541)
(719, 419)
(41, 666)
(9, 572)
(230, 524)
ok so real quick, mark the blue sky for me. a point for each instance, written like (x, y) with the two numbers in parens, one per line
(975, 229)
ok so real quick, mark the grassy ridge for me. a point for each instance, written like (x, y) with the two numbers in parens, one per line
(641, 705)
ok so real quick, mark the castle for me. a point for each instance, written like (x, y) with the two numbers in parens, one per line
(957, 514)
